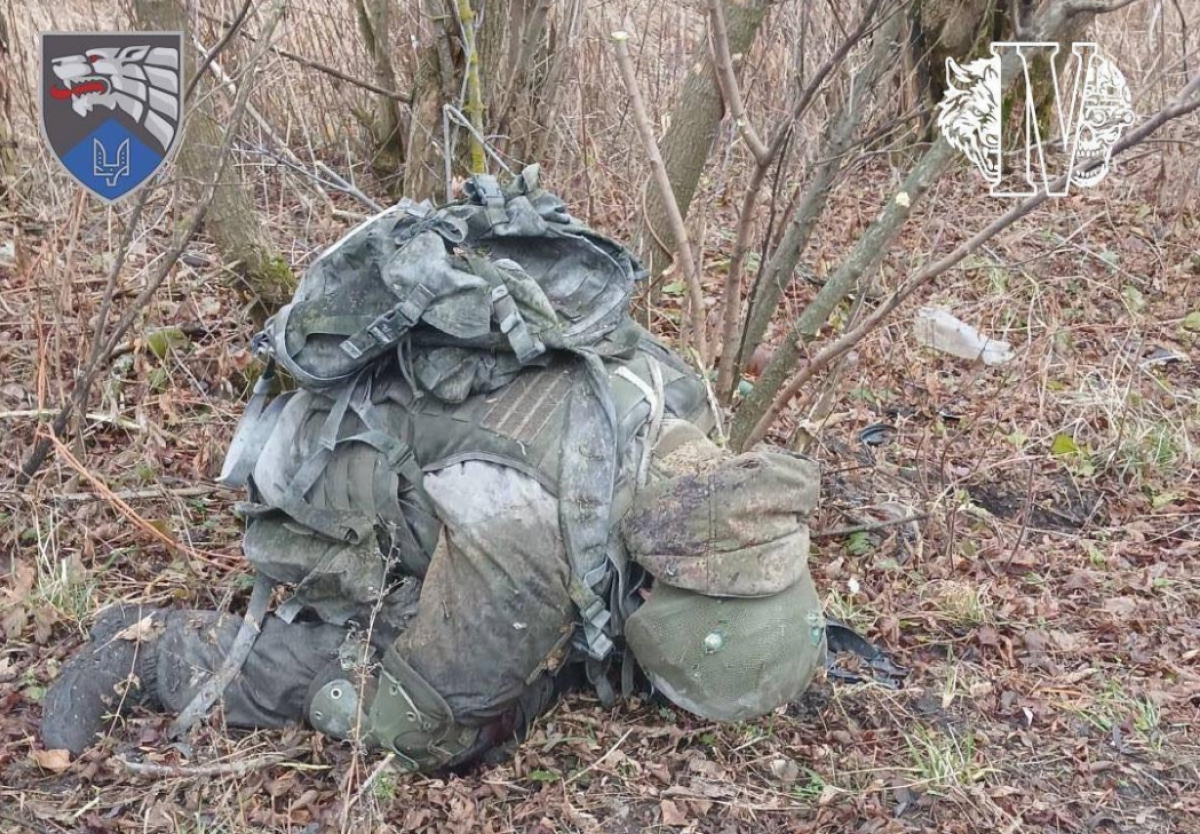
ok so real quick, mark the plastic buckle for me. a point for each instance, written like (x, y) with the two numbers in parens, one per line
(594, 611)
(597, 643)
(384, 328)
(505, 308)
(485, 191)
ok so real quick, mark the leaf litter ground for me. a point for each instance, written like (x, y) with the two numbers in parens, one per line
(1047, 600)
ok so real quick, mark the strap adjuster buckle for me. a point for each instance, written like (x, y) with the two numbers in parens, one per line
(505, 308)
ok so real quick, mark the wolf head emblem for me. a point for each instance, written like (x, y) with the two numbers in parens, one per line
(142, 81)
(969, 114)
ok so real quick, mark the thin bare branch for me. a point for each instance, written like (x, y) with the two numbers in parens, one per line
(818, 79)
(729, 84)
(325, 69)
(732, 295)
(237, 767)
(1077, 7)
(220, 45)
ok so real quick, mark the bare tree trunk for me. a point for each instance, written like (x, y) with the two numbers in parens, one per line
(474, 87)
(8, 136)
(231, 220)
(516, 47)
(385, 122)
(433, 86)
(694, 124)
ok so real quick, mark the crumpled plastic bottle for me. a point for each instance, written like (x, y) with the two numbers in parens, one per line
(942, 331)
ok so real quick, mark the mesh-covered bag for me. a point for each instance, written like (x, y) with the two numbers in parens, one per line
(733, 627)
(504, 271)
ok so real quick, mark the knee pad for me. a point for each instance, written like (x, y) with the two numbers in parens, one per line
(395, 709)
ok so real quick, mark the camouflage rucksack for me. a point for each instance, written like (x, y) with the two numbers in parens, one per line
(456, 302)
(485, 285)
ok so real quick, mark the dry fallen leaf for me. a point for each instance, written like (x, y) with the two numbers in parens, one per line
(44, 618)
(56, 761)
(23, 577)
(671, 814)
(1121, 607)
(659, 771)
(143, 629)
(785, 770)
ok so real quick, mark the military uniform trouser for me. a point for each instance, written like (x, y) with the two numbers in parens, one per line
(288, 678)
(448, 668)
(269, 690)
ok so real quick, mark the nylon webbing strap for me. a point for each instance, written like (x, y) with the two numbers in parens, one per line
(587, 473)
(339, 525)
(220, 679)
(308, 473)
(333, 524)
(597, 675)
(654, 397)
(404, 463)
(512, 324)
(485, 190)
(397, 453)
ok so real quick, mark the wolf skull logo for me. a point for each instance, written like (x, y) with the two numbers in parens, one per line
(112, 105)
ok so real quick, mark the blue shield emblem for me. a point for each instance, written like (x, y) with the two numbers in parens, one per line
(112, 105)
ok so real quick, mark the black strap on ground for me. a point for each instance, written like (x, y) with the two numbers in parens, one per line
(840, 638)
(215, 686)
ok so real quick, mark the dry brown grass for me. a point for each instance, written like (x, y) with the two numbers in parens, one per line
(1048, 609)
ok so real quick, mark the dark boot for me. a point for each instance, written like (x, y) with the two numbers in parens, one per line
(107, 677)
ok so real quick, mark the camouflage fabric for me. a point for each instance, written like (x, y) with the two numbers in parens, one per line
(505, 270)
(733, 626)
(733, 526)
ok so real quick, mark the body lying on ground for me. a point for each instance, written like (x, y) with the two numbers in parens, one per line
(470, 527)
